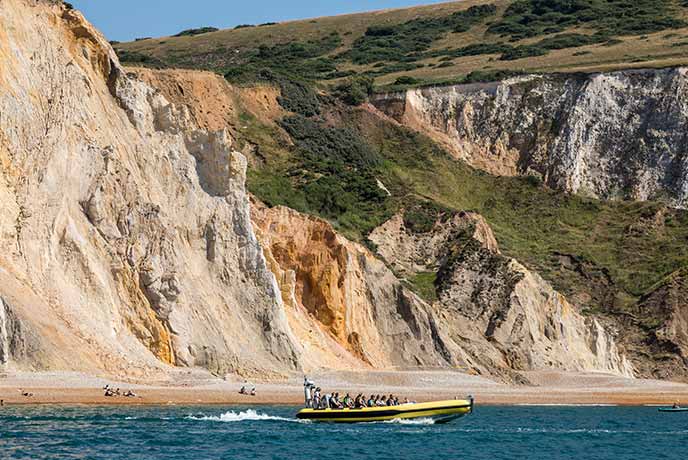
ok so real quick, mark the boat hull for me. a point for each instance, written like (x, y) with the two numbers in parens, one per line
(672, 409)
(439, 412)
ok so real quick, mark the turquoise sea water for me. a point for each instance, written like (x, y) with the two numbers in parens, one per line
(216, 433)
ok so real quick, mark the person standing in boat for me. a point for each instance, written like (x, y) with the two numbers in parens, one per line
(308, 386)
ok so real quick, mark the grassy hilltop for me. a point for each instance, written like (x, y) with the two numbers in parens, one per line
(444, 42)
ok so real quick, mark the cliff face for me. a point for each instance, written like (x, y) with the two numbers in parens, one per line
(503, 317)
(492, 316)
(127, 245)
(655, 333)
(346, 307)
(125, 240)
(615, 135)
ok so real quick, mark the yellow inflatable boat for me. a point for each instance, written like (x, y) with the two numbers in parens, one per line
(438, 411)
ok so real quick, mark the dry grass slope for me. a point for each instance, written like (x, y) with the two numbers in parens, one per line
(662, 44)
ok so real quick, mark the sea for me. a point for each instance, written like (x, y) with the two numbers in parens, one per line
(268, 432)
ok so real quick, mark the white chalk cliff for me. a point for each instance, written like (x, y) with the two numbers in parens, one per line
(613, 135)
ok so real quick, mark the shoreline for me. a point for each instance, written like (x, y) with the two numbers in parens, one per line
(548, 389)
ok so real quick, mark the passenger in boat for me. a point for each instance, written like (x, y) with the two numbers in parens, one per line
(334, 401)
(348, 402)
(390, 400)
(316, 398)
(676, 406)
(382, 401)
(371, 401)
(396, 401)
(358, 402)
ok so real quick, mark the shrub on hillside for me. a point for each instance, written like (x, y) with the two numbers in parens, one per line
(134, 57)
(530, 18)
(421, 217)
(355, 91)
(193, 32)
(557, 42)
(524, 51)
(324, 145)
(483, 76)
(475, 49)
(333, 174)
(407, 80)
(298, 97)
(400, 41)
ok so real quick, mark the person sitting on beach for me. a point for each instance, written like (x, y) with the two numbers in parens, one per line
(243, 391)
(26, 394)
(109, 392)
(129, 394)
(253, 391)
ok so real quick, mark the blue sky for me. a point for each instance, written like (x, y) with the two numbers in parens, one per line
(127, 19)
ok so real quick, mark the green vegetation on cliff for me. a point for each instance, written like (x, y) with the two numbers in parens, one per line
(606, 254)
